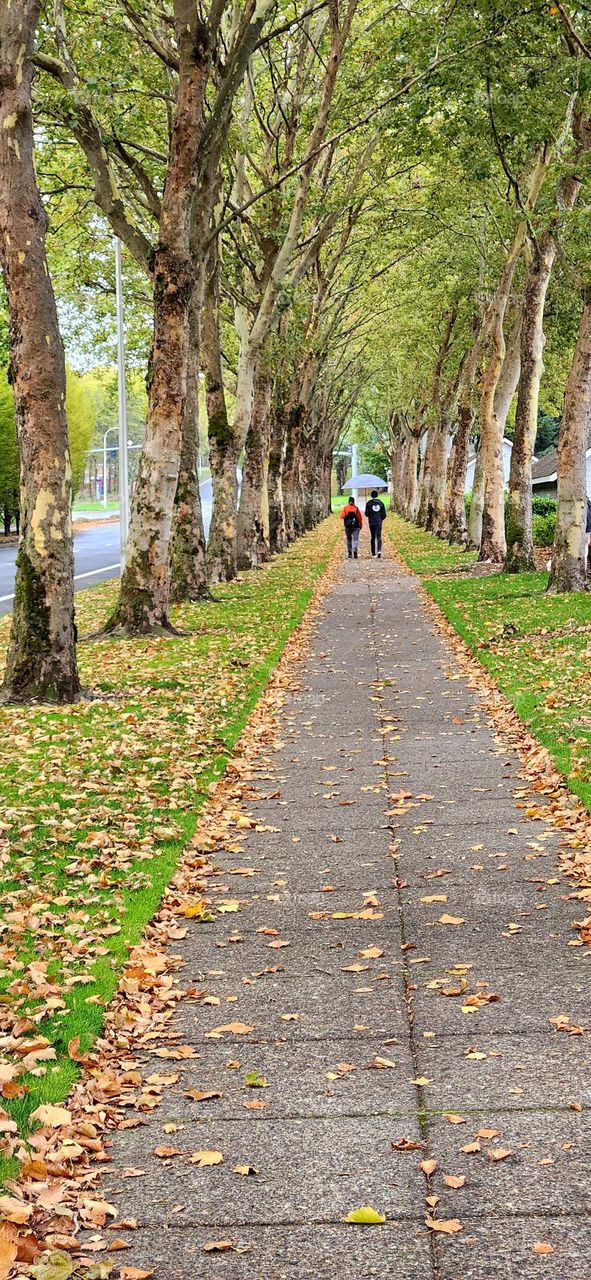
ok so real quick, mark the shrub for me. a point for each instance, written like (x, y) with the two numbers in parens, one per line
(544, 528)
(543, 505)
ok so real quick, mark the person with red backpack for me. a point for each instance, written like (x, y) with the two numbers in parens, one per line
(353, 523)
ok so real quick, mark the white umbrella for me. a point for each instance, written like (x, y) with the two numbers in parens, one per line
(365, 481)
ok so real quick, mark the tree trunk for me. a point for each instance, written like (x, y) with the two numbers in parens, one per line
(292, 496)
(411, 484)
(435, 517)
(520, 552)
(41, 661)
(277, 529)
(142, 606)
(477, 499)
(223, 458)
(568, 571)
(188, 568)
(252, 538)
(456, 515)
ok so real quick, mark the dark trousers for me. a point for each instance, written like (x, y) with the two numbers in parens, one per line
(376, 537)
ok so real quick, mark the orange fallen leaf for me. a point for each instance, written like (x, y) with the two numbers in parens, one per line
(164, 1153)
(371, 953)
(428, 1167)
(449, 1226)
(135, 1273)
(229, 1028)
(454, 1181)
(542, 1247)
(446, 919)
(202, 1095)
(13, 1210)
(8, 1252)
(499, 1153)
(218, 1246)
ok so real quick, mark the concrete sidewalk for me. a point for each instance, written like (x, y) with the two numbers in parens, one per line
(427, 951)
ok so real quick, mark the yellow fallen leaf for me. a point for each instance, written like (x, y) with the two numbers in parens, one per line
(428, 1167)
(446, 919)
(206, 1158)
(52, 1116)
(435, 897)
(365, 1216)
(371, 953)
(421, 1080)
(499, 1153)
(245, 1170)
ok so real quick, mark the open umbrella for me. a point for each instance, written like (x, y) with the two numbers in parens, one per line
(365, 481)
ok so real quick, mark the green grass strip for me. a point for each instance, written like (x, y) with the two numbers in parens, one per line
(536, 647)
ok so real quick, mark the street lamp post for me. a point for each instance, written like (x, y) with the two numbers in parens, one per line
(121, 409)
(105, 474)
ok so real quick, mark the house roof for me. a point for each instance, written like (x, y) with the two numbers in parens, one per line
(546, 469)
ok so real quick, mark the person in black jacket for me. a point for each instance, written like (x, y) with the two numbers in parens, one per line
(375, 512)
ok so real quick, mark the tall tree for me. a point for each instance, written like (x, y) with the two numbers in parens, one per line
(41, 662)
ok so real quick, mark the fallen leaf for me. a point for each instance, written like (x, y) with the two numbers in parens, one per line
(405, 1144)
(202, 1095)
(13, 1210)
(542, 1247)
(229, 1028)
(499, 1153)
(454, 1181)
(135, 1273)
(52, 1116)
(445, 919)
(449, 1226)
(218, 1246)
(245, 1170)
(365, 1216)
(206, 1158)
(428, 1167)
(8, 1252)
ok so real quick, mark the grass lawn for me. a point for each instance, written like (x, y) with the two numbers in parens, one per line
(99, 799)
(536, 647)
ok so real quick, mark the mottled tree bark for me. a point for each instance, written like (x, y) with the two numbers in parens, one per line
(277, 529)
(568, 571)
(41, 662)
(252, 528)
(456, 512)
(223, 456)
(292, 489)
(520, 546)
(188, 567)
(142, 606)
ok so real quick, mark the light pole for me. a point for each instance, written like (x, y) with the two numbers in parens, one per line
(105, 478)
(121, 409)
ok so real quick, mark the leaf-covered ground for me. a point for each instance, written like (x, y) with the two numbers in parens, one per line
(99, 799)
(425, 554)
(536, 647)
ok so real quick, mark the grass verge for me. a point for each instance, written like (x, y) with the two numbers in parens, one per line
(99, 800)
(536, 647)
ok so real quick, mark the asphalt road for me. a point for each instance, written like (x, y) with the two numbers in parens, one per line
(96, 554)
